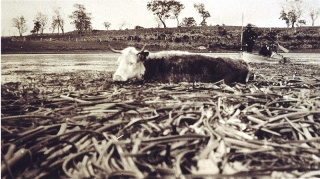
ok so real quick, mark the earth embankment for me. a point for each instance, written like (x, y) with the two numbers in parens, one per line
(194, 39)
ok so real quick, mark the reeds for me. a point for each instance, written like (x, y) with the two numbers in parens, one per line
(265, 128)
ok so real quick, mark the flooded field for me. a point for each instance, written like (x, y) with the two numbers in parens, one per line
(13, 66)
(62, 117)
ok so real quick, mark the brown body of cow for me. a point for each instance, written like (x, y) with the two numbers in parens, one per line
(177, 66)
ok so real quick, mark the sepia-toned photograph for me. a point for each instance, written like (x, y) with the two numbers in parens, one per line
(160, 89)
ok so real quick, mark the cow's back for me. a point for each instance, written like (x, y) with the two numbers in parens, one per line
(195, 67)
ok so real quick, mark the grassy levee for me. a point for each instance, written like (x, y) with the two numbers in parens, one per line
(213, 38)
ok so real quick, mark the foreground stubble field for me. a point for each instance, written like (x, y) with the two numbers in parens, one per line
(80, 125)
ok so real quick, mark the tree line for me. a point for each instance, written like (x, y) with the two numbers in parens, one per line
(80, 18)
(291, 13)
(293, 10)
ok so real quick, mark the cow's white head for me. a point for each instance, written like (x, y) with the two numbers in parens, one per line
(130, 64)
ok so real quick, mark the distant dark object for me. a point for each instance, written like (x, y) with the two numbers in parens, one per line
(178, 66)
(139, 27)
(250, 26)
(249, 37)
(276, 44)
(265, 50)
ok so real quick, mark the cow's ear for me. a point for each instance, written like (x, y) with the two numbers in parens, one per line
(143, 55)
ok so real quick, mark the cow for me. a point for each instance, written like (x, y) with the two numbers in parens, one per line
(177, 66)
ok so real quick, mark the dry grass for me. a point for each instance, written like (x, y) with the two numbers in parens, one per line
(79, 125)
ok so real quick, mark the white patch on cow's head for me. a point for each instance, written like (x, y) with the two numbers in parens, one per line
(130, 65)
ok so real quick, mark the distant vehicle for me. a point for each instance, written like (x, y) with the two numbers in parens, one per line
(177, 66)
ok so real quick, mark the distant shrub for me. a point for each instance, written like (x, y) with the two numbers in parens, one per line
(286, 37)
(95, 31)
(300, 37)
(186, 38)
(222, 31)
(177, 40)
(308, 37)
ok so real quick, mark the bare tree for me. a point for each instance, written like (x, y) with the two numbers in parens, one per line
(20, 24)
(107, 25)
(122, 24)
(314, 14)
(42, 19)
(177, 7)
(204, 14)
(291, 13)
(158, 22)
(284, 16)
(162, 9)
(57, 21)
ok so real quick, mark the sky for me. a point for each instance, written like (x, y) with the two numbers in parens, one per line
(262, 13)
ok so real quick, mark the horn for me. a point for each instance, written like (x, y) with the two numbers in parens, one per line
(115, 51)
(143, 48)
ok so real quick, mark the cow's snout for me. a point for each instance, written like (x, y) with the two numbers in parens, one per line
(118, 78)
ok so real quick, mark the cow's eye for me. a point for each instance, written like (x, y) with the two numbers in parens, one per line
(130, 63)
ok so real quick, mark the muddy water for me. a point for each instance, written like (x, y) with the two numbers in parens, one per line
(57, 62)
(13, 66)
(298, 58)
